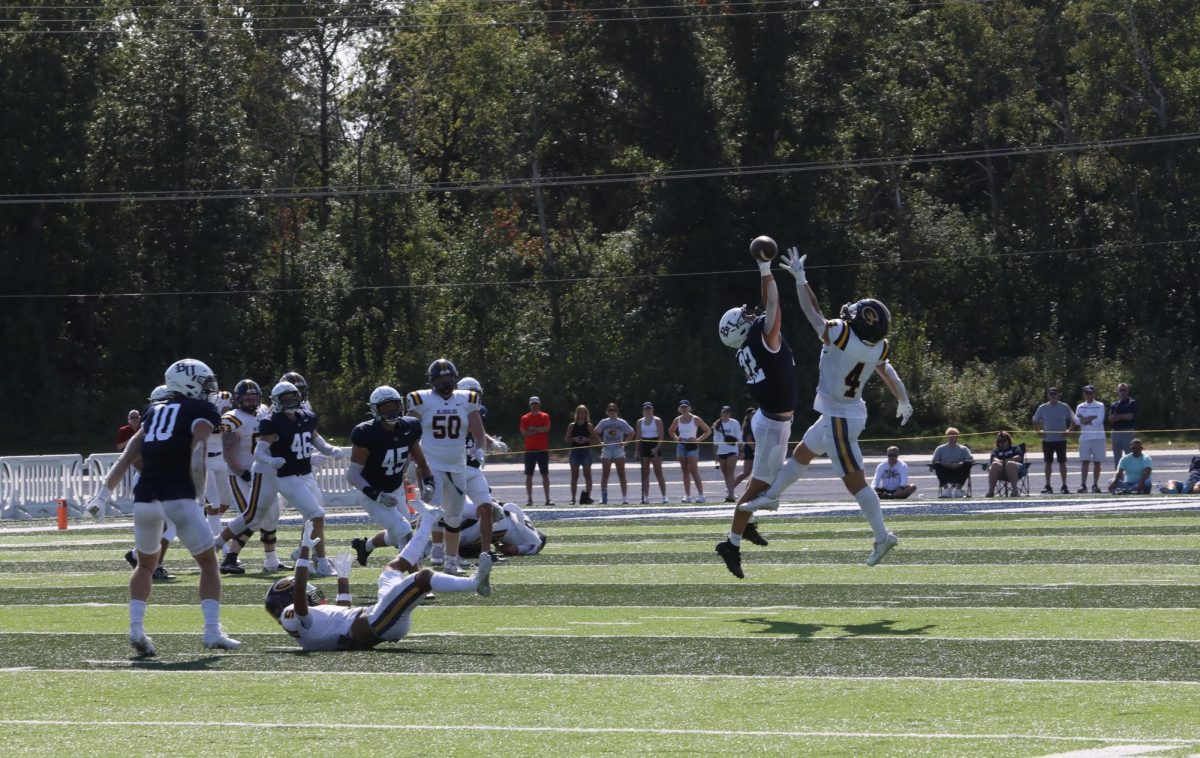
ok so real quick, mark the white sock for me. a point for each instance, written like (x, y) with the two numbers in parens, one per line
(212, 615)
(868, 501)
(439, 551)
(440, 582)
(271, 560)
(137, 618)
(787, 476)
(370, 548)
(415, 548)
(735, 539)
(214, 523)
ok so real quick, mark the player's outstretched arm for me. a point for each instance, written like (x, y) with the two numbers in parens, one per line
(895, 385)
(200, 435)
(773, 316)
(324, 448)
(132, 451)
(300, 590)
(793, 263)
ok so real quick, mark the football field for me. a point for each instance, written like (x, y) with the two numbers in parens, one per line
(999, 634)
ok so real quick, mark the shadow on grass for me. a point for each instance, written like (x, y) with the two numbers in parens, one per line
(200, 664)
(783, 628)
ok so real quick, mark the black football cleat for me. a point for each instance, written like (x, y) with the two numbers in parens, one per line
(732, 555)
(131, 558)
(360, 546)
(751, 533)
(160, 574)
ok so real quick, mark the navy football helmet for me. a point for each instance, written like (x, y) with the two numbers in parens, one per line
(442, 377)
(869, 319)
(279, 596)
(247, 389)
(293, 377)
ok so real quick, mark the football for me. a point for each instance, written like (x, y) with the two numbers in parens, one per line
(763, 249)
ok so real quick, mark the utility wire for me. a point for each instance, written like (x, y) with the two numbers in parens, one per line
(1101, 249)
(585, 179)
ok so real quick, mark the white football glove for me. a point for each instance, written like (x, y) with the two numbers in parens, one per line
(388, 499)
(793, 263)
(96, 505)
(307, 540)
(904, 412)
(338, 454)
(341, 565)
(277, 463)
(499, 445)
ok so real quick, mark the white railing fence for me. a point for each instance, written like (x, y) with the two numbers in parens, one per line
(30, 485)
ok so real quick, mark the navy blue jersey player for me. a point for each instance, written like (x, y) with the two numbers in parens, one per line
(171, 444)
(382, 448)
(770, 369)
(286, 441)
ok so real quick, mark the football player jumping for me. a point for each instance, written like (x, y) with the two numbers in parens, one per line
(379, 457)
(295, 604)
(766, 358)
(447, 414)
(171, 444)
(852, 345)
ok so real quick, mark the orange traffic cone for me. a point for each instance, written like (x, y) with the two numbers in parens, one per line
(62, 513)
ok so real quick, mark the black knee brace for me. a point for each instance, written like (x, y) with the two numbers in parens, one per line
(267, 536)
(241, 538)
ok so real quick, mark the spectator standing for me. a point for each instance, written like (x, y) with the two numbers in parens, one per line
(649, 434)
(891, 477)
(1090, 416)
(614, 432)
(581, 435)
(689, 431)
(727, 432)
(1133, 472)
(1053, 420)
(535, 428)
(747, 454)
(1122, 414)
(952, 464)
(1007, 462)
(126, 432)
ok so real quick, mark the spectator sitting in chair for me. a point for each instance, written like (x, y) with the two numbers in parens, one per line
(952, 463)
(891, 477)
(1007, 463)
(1133, 472)
(1188, 486)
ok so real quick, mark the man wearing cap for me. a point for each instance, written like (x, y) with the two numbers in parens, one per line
(1053, 420)
(535, 428)
(1090, 416)
(1122, 413)
(891, 477)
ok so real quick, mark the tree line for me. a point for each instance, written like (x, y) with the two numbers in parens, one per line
(558, 196)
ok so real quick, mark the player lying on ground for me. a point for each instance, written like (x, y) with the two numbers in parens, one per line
(402, 586)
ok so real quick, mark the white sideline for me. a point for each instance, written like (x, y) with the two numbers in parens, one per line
(1115, 751)
(291, 725)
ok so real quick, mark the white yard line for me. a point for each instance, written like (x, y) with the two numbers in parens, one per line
(1114, 751)
(144, 670)
(291, 725)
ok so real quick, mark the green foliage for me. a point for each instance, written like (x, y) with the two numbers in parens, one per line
(1005, 274)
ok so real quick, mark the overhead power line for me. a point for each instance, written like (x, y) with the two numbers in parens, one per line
(483, 185)
(715, 11)
(1100, 249)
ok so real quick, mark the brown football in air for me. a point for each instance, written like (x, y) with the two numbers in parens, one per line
(763, 248)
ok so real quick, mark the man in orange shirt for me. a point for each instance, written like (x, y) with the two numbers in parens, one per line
(535, 428)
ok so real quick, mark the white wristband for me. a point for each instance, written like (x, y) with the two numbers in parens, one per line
(343, 597)
(764, 268)
(303, 563)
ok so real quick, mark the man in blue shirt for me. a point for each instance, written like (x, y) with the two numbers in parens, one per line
(1122, 412)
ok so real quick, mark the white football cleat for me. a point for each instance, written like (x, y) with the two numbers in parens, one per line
(700, 499)
(143, 646)
(760, 503)
(323, 568)
(220, 641)
(882, 548)
(483, 587)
